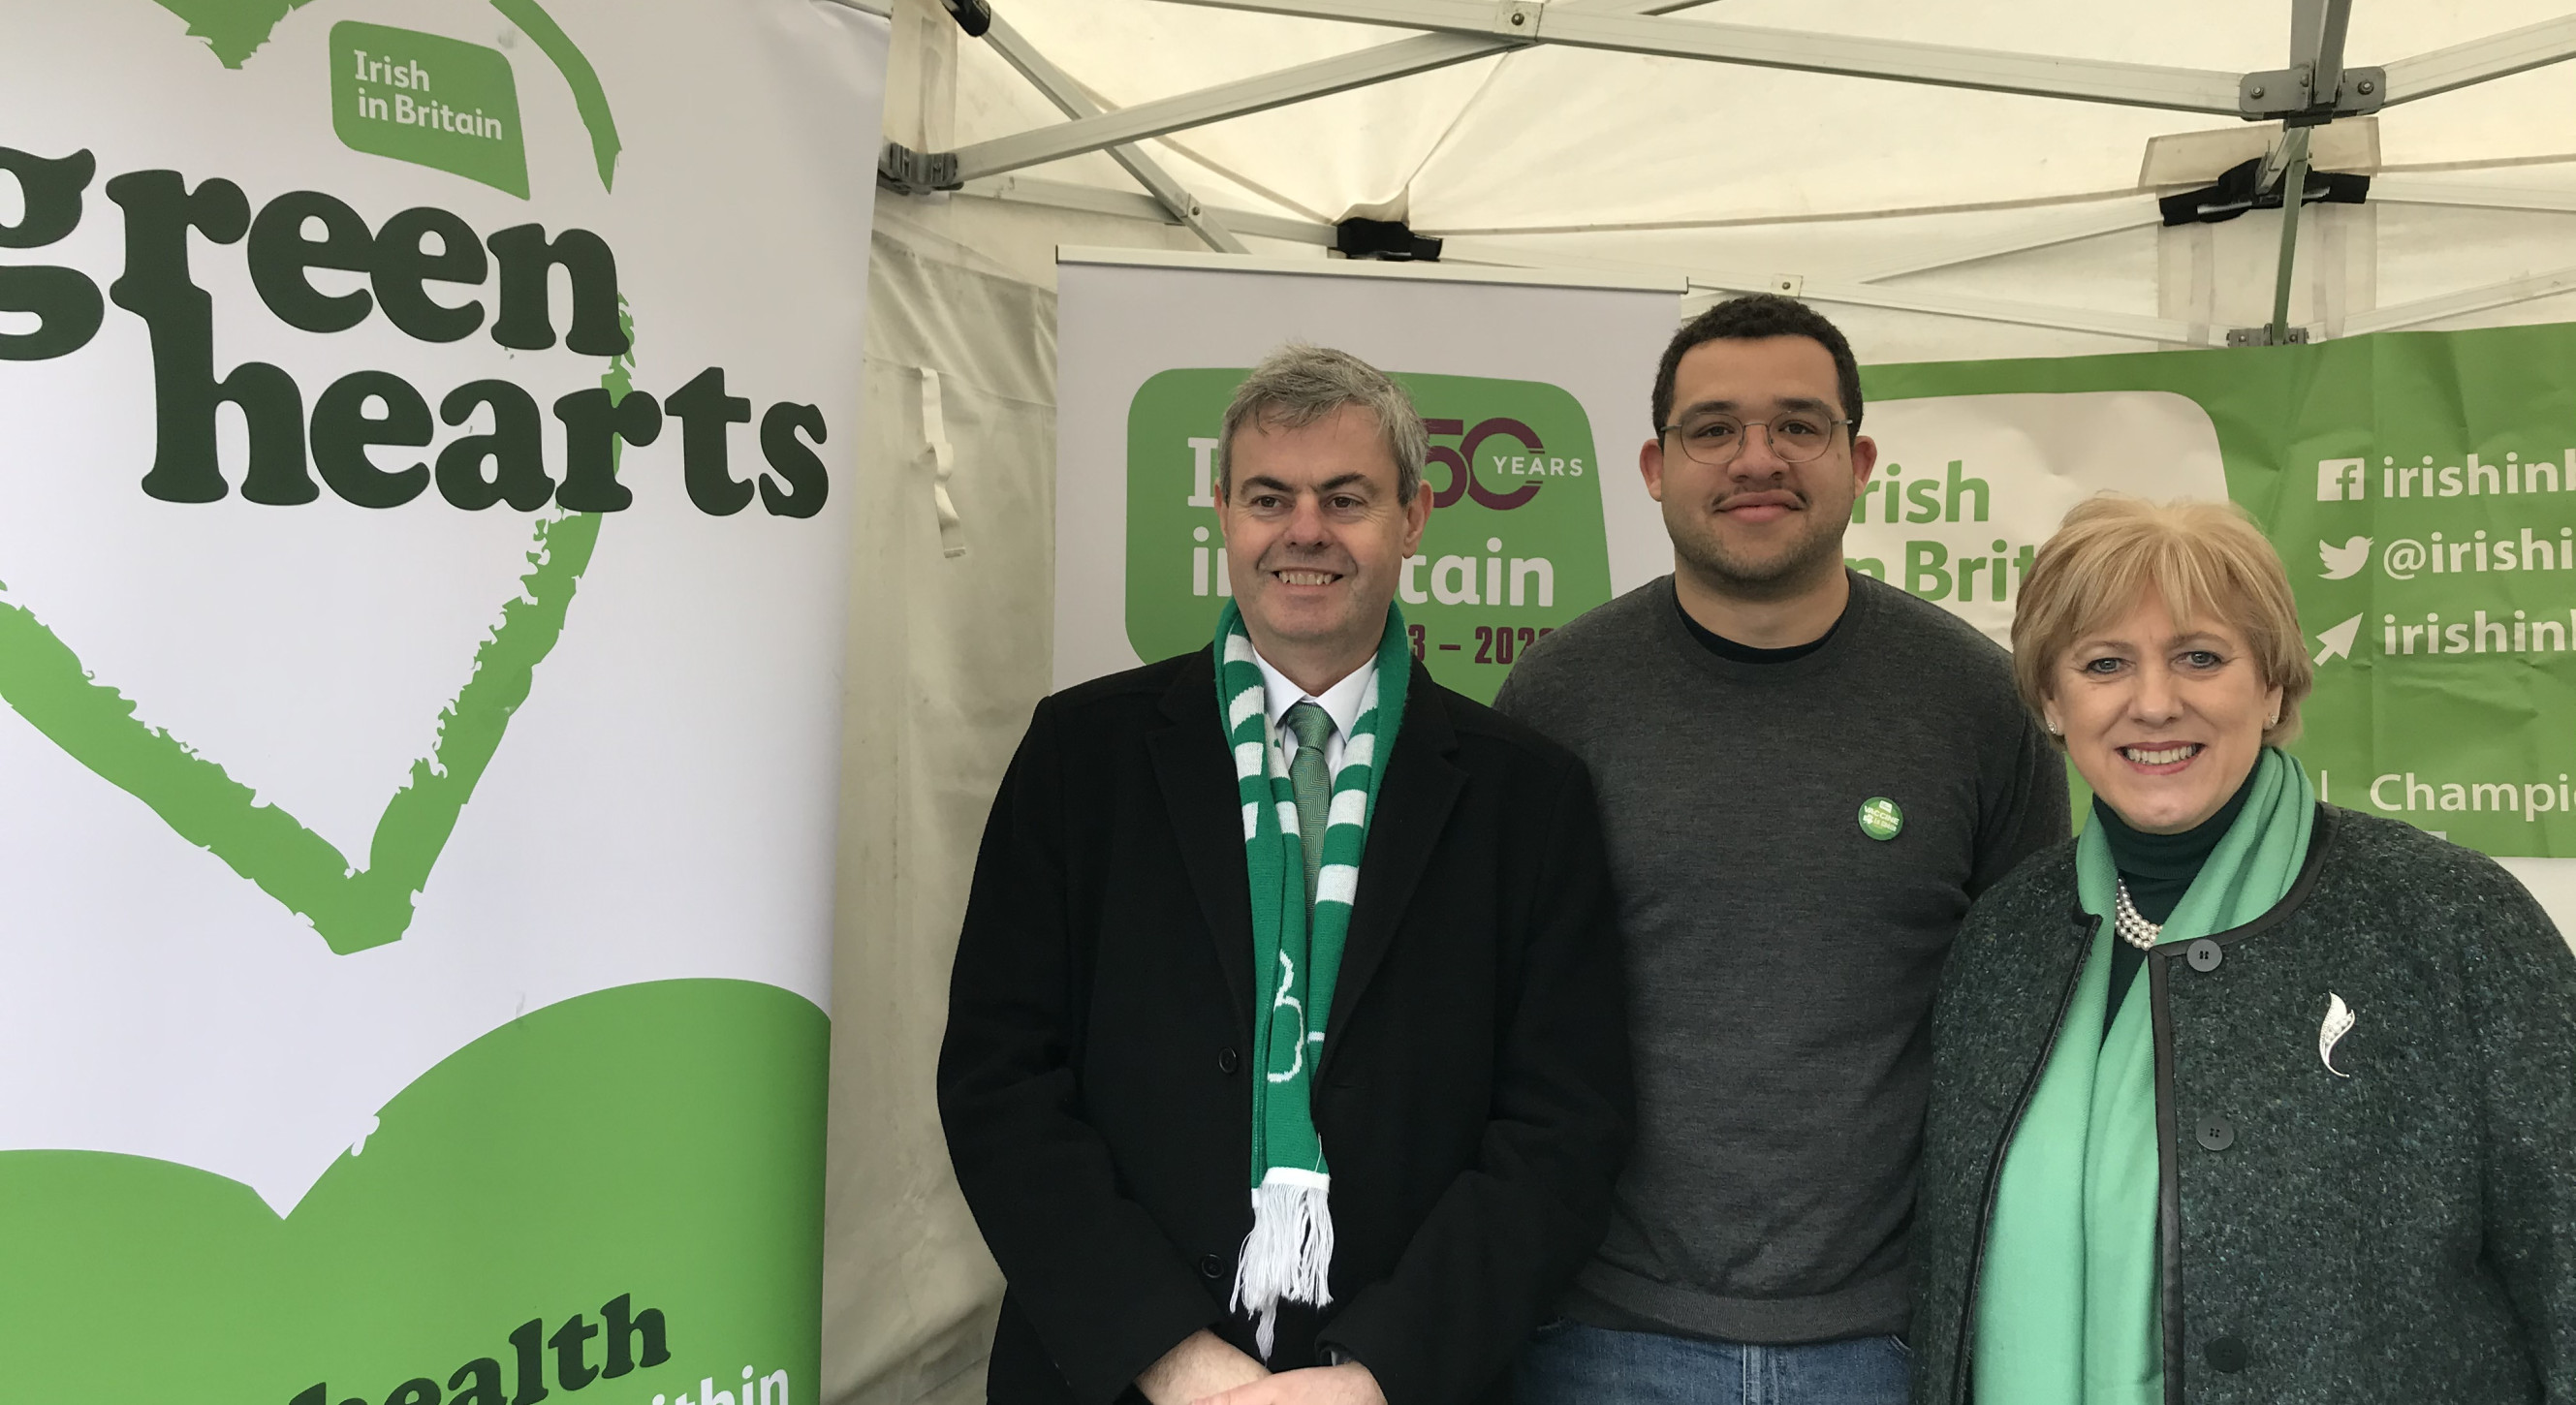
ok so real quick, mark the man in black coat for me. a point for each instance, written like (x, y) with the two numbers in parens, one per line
(1470, 1084)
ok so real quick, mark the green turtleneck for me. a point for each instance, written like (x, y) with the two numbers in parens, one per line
(2158, 869)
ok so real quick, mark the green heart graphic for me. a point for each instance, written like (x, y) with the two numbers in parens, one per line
(588, 97)
(662, 1141)
(352, 908)
(234, 29)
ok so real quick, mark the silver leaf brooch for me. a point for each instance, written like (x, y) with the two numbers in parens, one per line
(2338, 1023)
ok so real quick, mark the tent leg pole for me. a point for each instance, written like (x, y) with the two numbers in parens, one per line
(2294, 189)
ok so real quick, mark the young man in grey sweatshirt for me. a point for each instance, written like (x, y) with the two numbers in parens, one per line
(1805, 776)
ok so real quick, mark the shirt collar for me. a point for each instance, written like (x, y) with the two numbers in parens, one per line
(1341, 702)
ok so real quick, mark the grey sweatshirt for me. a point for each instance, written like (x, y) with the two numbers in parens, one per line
(1781, 959)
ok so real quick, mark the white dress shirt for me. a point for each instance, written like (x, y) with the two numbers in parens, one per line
(1340, 702)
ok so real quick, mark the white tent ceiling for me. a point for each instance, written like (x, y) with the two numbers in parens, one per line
(1550, 137)
(1735, 174)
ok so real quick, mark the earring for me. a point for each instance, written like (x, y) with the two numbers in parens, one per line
(2275, 722)
(2056, 731)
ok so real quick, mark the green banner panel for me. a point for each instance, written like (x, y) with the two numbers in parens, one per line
(2421, 488)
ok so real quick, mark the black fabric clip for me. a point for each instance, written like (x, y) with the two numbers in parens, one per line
(2235, 193)
(1384, 239)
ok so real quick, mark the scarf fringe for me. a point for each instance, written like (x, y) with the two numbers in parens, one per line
(1289, 1253)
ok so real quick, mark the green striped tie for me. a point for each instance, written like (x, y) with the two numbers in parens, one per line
(1312, 781)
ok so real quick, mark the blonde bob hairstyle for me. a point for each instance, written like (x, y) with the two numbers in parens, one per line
(2206, 561)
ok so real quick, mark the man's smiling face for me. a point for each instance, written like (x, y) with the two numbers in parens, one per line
(1759, 525)
(1315, 538)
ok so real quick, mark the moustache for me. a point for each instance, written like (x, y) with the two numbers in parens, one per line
(1733, 499)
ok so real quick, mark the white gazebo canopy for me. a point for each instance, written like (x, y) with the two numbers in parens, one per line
(1996, 163)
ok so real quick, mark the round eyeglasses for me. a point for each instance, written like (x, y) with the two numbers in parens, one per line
(1715, 438)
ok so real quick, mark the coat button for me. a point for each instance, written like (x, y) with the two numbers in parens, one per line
(2217, 1134)
(2224, 1354)
(2204, 955)
(1227, 1061)
(1210, 1266)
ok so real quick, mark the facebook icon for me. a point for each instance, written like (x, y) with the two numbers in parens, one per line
(2339, 480)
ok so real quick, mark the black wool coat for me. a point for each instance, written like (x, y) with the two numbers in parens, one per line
(2405, 1232)
(1472, 1092)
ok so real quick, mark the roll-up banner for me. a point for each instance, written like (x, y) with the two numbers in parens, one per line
(424, 435)
(2421, 488)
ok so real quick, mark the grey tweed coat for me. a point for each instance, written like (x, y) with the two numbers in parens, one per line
(2398, 1225)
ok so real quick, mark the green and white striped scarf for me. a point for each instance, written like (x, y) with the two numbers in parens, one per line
(1289, 1254)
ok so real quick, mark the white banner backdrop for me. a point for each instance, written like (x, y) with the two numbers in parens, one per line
(421, 542)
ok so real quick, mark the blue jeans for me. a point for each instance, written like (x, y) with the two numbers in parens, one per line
(1569, 1363)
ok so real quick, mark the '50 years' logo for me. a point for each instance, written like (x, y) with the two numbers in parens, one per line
(1461, 462)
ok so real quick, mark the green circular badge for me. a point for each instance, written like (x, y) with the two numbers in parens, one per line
(1879, 817)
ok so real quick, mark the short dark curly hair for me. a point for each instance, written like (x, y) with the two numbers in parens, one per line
(1754, 317)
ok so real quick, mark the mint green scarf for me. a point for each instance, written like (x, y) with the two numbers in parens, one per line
(1295, 960)
(2067, 1309)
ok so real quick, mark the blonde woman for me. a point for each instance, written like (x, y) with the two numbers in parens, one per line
(2236, 1096)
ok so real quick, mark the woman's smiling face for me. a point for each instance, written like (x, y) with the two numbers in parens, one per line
(2163, 719)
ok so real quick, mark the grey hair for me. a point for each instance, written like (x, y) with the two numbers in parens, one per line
(1298, 385)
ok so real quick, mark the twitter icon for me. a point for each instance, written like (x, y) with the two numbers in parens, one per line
(2345, 560)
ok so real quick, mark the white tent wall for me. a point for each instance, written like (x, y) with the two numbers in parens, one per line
(947, 653)
(1744, 177)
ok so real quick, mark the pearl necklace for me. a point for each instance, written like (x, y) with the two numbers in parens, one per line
(2133, 926)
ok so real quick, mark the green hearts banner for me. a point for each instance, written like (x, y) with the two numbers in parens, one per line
(424, 430)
